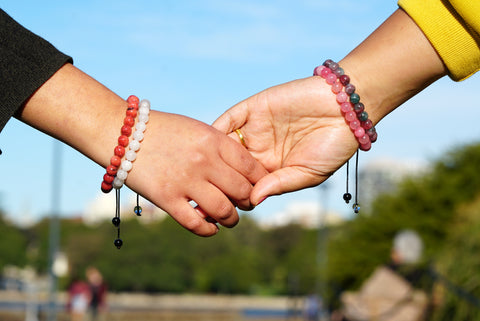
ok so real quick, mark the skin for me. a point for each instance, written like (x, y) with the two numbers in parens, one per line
(180, 159)
(296, 129)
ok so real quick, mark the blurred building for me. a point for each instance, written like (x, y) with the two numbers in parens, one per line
(383, 175)
(306, 214)
(103, 208)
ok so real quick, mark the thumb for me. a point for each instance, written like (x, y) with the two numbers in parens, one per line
(283, 180)
(233, 118)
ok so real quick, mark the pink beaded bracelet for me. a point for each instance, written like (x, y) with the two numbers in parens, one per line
(354, 113)
(349, 101)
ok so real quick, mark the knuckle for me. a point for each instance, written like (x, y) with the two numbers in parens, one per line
(194, 225)
(223, 211)
(244, 189)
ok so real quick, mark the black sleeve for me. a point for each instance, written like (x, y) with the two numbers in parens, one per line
(26, 62)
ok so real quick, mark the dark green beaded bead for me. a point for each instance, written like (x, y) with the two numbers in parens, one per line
(354, 98)
(363, 116)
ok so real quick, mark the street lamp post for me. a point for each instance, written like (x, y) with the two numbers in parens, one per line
(54, 229)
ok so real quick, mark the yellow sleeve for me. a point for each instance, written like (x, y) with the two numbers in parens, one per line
(453, 28)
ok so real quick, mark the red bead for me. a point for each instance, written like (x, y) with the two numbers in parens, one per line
(131, 112)
(325, 72)
(363, 140)
(107, 178)
(119, 151)
(354, 124)
(318, 70)
(366, 147)
(367, 124)
(337, 87)
(359, 132)
(115, 161)
(342, 97)
(346, 107)
(126, 130)
(112, 170)
(129, 121)
(133, 99)
(350, 116)
(123, 141)
(344, 79)
(132, 106)
(331, 79)
(105, 187)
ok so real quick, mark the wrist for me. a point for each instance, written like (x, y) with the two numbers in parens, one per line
(392, 65)
(76, 109)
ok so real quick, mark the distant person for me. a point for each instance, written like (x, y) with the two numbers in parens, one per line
(79, 297)
(98, 290)
(312, 308)
(393, 292)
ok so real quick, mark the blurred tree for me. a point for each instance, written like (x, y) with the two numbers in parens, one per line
(459, 266)
(13, 245)
(426, 204)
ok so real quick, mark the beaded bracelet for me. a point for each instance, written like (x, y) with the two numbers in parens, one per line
(354, 113)
(118, 170)
(123, 141)
(349, 101)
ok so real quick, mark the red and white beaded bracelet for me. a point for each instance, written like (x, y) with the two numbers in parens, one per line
(118, 169)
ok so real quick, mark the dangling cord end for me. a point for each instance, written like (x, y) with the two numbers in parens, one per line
(116, 220)
(347, 196)
(356, 206)
(138, 209)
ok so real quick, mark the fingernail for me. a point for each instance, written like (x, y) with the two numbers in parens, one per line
(264, 198)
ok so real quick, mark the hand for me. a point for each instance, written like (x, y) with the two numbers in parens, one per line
(296, 130)
(182, 159)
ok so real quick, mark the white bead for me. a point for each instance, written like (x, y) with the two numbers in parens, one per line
(144, 103)
(140, 126)
(137, 135)
(130, 155)
(117, 183)
(143, 111)
(122, 174)
(143, 118)
(126, 165)
(134, 145)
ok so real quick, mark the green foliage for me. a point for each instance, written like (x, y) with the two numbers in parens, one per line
(13, 245)
(443, 205)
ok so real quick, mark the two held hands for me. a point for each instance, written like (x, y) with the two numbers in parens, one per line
(294, 135)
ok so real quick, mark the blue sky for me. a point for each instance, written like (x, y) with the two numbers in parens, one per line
(198, 58)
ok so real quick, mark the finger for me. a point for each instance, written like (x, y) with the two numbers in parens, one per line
(284, 180)
(233, 118)
(216, 205)
(191, 219)
(236, 156)
(233, 184)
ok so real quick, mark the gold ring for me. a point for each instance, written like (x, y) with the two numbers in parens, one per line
(242, 138)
